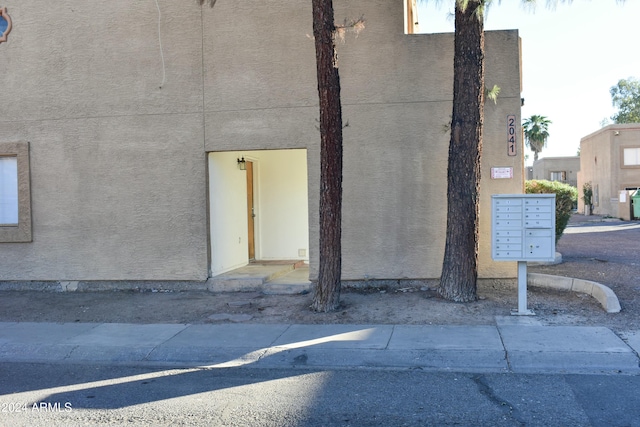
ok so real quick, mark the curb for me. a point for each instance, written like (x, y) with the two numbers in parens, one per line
(605, 296)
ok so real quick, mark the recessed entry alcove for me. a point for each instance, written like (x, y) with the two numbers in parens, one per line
(258, 207)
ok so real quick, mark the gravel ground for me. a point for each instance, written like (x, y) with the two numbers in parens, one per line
(592, 249)
(606, 251)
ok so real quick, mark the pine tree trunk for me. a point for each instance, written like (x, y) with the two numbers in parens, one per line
(460, 265)
(327, 290)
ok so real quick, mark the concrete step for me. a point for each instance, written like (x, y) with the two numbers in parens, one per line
(294, 282)
(252, 277)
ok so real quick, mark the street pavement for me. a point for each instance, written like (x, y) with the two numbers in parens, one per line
(517, 344)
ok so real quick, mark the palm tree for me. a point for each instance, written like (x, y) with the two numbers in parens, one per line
(536, 132)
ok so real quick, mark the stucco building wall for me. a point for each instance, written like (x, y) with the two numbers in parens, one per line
(119, 131)
(396, 94)
(601, 164)
(116, 161)
(544, 167)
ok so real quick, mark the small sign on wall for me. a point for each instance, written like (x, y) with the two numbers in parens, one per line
(623, 196)
(5, 24)
(501, 173)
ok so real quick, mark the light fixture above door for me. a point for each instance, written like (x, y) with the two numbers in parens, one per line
(242, 164)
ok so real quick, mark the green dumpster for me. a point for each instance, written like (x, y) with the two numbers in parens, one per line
(636, 204)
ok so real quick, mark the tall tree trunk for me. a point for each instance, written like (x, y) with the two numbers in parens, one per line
(327, 290)
(460, 265)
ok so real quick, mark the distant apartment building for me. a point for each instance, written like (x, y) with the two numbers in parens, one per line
(610, 161)
(528, 170)
(562, 169)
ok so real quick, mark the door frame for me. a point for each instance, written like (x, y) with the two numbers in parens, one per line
(255, 165)
(251, 208)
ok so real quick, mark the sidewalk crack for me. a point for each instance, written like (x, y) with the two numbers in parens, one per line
(625, 340)
(393, 331)
(262, 352)
(279, 336)
(68, 355)
(504, 348)
(153, 348)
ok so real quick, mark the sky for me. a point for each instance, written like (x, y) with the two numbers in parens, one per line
(571, 56)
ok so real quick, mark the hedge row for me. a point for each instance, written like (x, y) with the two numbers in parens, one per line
(566, 197)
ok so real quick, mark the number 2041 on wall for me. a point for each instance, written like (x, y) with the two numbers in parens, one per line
(511, 135)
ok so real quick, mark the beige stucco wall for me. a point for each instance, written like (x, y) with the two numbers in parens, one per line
(543, 167)
(118, 163)
(396, 94)
(601, 164)
(281, 207)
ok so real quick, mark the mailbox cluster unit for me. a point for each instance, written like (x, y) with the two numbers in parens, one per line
(523, 227)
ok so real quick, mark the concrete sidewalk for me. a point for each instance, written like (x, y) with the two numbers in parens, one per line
(516, 344)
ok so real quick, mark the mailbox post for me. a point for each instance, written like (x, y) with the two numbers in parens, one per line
(523, 229)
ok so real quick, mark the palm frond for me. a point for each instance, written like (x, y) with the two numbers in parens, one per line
(492, 93)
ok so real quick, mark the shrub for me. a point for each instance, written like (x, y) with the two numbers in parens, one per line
(587, 198)
(566, 196)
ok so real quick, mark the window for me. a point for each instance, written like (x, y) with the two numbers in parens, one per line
(631, 156)
(559, 176)
(8, 190)
(15, 193)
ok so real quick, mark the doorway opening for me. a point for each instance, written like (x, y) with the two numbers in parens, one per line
(260, 213)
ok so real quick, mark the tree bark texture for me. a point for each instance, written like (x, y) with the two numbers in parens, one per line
(460, 264)
(327, 290)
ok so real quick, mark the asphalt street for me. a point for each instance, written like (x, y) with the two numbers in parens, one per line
(80, 395)
(515, 373)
